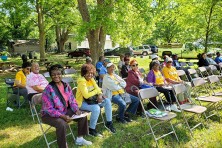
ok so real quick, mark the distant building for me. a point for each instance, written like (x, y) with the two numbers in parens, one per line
(22, 46)
(71, 44)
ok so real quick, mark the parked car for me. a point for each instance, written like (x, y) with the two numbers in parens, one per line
(118, 51)
(142, 50)
(79, 52)
(154, 48)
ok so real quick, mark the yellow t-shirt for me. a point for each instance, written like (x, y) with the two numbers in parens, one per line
(170, 73)
(159, 77)
(121, 91)
(20, 76)
(90, 86)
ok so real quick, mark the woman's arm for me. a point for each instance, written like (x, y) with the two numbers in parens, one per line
(82, 87)
(110, 84)
(47, 104)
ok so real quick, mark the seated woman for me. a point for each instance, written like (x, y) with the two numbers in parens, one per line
(20, 80)
(58, 104)
(172, 77)
(134, 82)
(113, 86)
(89, 97)
(155, 77)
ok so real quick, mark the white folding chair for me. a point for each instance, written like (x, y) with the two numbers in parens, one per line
(46, 75)
(150, 93)
(214, 71)
(38, 101)
(212, 102)
(181, 73)
(69, 71)
(69, 80)
(35, 97)
(189, 107)
(215, 84)
(203, 72)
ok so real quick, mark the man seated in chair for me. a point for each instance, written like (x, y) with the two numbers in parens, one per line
(36, 82)
(20, 80)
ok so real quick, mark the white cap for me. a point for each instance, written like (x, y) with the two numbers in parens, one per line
(109, 64)
(168, 59)
(154, 56)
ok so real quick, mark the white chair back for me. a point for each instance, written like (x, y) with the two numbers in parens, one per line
(198, 81)
(192, 71)
(46, 75)
(181, 72)
(213, 79)
(179, 88)
(69, 71)
(148, 93)
(202, 69)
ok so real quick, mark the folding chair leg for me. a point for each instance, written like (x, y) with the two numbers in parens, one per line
(71, 132)
(174, 131)
(31, 109)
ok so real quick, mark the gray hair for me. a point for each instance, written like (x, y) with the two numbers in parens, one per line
(153, 63)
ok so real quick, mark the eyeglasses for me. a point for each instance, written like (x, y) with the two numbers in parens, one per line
(169, 62)
(134, 65)
(28, 68)
(56, 74)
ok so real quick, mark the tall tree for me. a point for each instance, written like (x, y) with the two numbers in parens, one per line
(94, 21)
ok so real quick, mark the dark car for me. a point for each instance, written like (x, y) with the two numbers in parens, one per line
(79, 52)
(154, 48)
(118, 51)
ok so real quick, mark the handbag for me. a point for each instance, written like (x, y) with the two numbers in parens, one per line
(126, 97)
(91, 100)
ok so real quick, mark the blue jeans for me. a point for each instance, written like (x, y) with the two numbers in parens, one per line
(117, 99)
(95, 111)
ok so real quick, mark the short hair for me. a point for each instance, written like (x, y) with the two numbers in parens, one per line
(217, 53)
(153, 63)
(26, 64)
(87, 67)
(55, 67)
(132, 61)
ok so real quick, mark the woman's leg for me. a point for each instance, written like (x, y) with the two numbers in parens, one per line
(60, 126)
(108, 109)
(82, 124)
(117, 99)
(166, 93)
(133, 105)
(95, 111)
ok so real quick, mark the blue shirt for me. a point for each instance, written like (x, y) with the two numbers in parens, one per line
(98, 66)
(218, 60)
(103, 71)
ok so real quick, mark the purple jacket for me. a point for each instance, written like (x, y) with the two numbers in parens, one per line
(151, 78)
(52, 105)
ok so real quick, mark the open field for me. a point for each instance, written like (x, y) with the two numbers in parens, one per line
(19, 130)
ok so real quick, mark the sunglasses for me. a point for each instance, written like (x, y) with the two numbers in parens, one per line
(127, 59)
(134, 65)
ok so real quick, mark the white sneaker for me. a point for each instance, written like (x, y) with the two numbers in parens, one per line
(174, 108)
(168, 108)
(83, 142)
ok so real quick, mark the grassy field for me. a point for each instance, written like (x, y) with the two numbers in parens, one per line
(19, 130)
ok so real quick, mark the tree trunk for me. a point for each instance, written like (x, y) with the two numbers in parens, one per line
(39, 9)
(96, 36)
(61, 38)
(96, 39)
(208, 25)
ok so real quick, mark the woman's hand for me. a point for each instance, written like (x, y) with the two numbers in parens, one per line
(78, 112)
(100, 98)
(66, 118)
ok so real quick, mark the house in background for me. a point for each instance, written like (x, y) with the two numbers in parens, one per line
(23, 46)
(71, 44)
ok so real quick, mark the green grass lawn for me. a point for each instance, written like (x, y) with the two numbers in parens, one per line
(19, 130)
